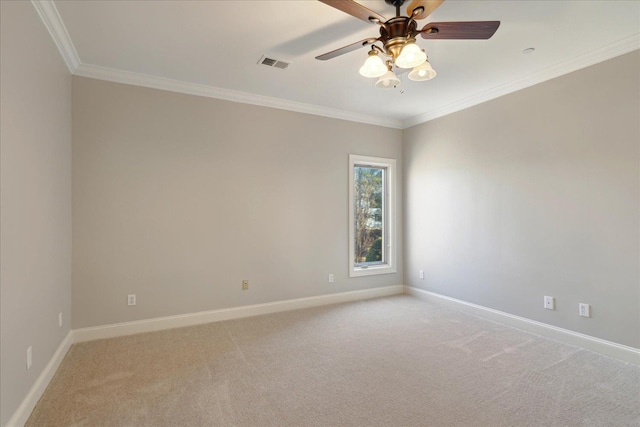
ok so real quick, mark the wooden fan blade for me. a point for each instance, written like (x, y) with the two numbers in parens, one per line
(460, 30)
(428, 7)
(346, 49)
(355, 9)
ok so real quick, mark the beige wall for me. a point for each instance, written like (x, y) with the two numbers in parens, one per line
(35, 187)
(535, 193)
(178, 198)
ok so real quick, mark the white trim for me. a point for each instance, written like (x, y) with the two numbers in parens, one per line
(612, 50)
(53, 22)
(163, 83)
(23, 412)
(169, 322)
(389, 213)
(608, 348)
(21, 415)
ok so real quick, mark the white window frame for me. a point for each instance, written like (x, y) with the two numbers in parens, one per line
(388, 216)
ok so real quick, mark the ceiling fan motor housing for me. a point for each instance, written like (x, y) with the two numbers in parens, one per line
(401, 31)
(395, 32)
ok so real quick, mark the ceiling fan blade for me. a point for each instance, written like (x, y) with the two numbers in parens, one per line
(428, 7)
(460, 30)
(346, 49)
(355, 9)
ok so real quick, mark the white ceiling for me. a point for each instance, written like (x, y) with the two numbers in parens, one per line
(212, 48)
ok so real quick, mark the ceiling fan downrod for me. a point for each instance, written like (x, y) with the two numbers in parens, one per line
(397, 4)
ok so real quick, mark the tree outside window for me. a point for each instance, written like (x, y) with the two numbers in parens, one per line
(371, 215)
(368, 200)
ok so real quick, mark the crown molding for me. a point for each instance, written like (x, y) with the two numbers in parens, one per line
(162, 83)
(612, 50)
(53, 22)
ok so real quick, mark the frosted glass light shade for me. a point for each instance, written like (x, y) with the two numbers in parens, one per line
(388, 81)
(422, 72)
(411, 55)
(373, 66)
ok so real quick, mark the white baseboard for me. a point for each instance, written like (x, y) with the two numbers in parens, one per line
(23, 412)
(169, 322)
(20, 417)
(608, 348)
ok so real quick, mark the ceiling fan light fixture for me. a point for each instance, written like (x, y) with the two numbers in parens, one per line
(411, 55)
(373, 66)
(422, 72)
(388, 81)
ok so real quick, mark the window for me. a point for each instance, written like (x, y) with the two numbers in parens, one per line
(371, 220)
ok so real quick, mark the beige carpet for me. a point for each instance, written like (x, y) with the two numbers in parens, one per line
(394, 361)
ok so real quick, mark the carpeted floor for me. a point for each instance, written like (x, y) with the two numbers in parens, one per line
(395, 361)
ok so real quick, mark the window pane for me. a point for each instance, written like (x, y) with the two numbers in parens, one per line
(371, 216)
(368, 218)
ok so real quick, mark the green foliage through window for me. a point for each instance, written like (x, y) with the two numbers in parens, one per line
(369, 221)
(375, 251)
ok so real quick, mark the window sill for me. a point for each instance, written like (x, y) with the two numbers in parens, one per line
(372, 270)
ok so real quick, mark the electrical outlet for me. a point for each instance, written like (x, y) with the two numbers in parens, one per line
(245, 285)
(421, 274)
(29, 357)
(584, 310)
(549, 303)
(131, 299)
(331, 278)
(60, 320)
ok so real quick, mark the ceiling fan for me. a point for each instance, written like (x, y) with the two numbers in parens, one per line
(398, 39)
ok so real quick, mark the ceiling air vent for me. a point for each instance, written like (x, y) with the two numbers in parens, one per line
(275, 63)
